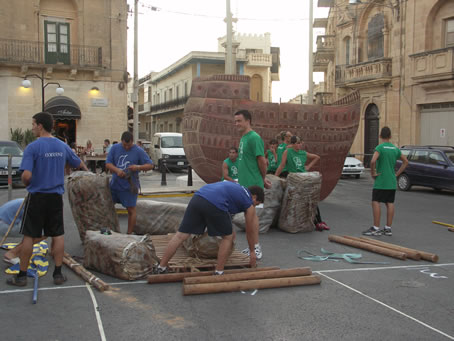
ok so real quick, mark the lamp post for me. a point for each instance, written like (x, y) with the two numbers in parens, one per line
(26, 84)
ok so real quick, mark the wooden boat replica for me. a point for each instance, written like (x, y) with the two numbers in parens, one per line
(209, 130)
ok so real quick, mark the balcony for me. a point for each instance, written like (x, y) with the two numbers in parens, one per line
(324, 98)
(320, 65)
(259, 59)
(325, 47)
(173, 105)
(371, 73)
(433, 66)
(31, 52)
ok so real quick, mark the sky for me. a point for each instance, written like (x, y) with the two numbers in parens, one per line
(170, 29)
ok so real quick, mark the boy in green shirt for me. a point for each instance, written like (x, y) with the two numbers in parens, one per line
(285, 137)
(230, 166)
(294, 158)
(272, 157)
(382, 170)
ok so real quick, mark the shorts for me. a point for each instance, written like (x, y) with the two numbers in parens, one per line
(43, 215)
(383, 195)
(201, 213)
(126, 198)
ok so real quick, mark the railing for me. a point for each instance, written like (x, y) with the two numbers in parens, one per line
(170, 104)
(22, 51)
(340, 74)
(373, 70)
(324, 97)
(325, 42)
(433, 65)
(259, 59)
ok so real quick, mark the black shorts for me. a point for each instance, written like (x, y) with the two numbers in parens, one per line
(383, 195)
(201, 213)
(43, 215)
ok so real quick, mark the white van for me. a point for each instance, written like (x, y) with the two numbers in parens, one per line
(168, 146)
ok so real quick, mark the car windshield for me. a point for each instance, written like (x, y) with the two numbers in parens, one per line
(171, 142)
(12, 149)
(450, 156)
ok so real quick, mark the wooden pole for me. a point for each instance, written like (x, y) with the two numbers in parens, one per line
(12, 223)
(84, 273)
(179, 276)
(368, 247)
(249, 276)
(440, 223)
(431, 257)
(210, 288)
(412, 254)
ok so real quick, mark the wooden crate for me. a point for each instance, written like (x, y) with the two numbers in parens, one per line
(181, 261)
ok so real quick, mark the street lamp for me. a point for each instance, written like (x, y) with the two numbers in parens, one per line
(26, 84)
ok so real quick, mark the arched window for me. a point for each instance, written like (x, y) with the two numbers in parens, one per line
(347, 50)
(375, 37)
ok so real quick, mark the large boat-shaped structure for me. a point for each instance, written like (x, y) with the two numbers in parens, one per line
(209, 130)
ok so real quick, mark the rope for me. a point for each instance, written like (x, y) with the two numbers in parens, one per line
(349, 257)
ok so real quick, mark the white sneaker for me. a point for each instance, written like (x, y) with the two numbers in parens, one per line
(257, 249)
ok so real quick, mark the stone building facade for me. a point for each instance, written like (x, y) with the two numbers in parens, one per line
(79, 44)
(162, 95)
(399, 56)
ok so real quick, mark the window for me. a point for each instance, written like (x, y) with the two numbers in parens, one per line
(406, 152)
(149, 94)
(434, 158)
(165, 96)
(420, 156)
(177, 92)
(56, 42)
(375, 37)
(449, 32)
(347, 51)
(185, 89)
(170, 94)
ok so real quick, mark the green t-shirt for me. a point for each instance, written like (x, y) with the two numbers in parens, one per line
(386, 162)
(272, 163)
(280, 150)
(233, 168)
(296, 160)
(251, 146)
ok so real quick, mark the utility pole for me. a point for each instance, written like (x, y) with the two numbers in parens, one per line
(310, 99)
(135, 94)
(229, 57)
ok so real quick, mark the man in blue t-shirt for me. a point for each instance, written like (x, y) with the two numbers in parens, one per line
(43, 166)
(211, 207)
(125, 160)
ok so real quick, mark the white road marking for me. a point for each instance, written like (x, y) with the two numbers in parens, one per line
(385, 268)
(98, 316)
(387, 306)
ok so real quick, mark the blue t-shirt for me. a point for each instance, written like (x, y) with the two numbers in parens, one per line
(122, 158)
(8, 211)
(227, 196)
(46, 158)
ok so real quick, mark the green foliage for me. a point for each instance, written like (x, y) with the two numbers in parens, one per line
(28, 137)
(17, 135)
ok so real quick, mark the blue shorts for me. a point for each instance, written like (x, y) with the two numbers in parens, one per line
(126, 198)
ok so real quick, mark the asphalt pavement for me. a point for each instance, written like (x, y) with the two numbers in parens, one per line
(399, 300)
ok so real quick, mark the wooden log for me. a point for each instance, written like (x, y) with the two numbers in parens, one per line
(431, 257)
(368, 247)
(250, 276)
(412, 254)
(84, 273)
(444, 224)
(210, 288)
(179, 276)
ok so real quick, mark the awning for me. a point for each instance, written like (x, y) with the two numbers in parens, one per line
(62, 108)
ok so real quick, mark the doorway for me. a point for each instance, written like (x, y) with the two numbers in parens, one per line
(371, 128)
(65, 130)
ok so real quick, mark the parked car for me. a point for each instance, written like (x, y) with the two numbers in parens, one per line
(429, 166)
(353, 166)
(168, 147)
(10, 147)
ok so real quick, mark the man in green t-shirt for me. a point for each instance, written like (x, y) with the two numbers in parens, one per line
(230, 166)
(382, 170)
(251, 161)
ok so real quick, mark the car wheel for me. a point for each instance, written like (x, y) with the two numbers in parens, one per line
(357, 176)
(403, 182)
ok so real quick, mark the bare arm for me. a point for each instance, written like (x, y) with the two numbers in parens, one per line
(261, 162)
(225, 172)
(83, 166)
(26, 177)
(314, 158)
(113, 169)
(145, 167)
(373, 163)
(403, 165)
(252, 232)
(282, 165)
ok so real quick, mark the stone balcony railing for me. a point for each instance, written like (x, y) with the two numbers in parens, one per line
(325, 42)
(376, 72)
(259, 59)
(432, 66)
(33, 52)
(170, 105)
(324, 97)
